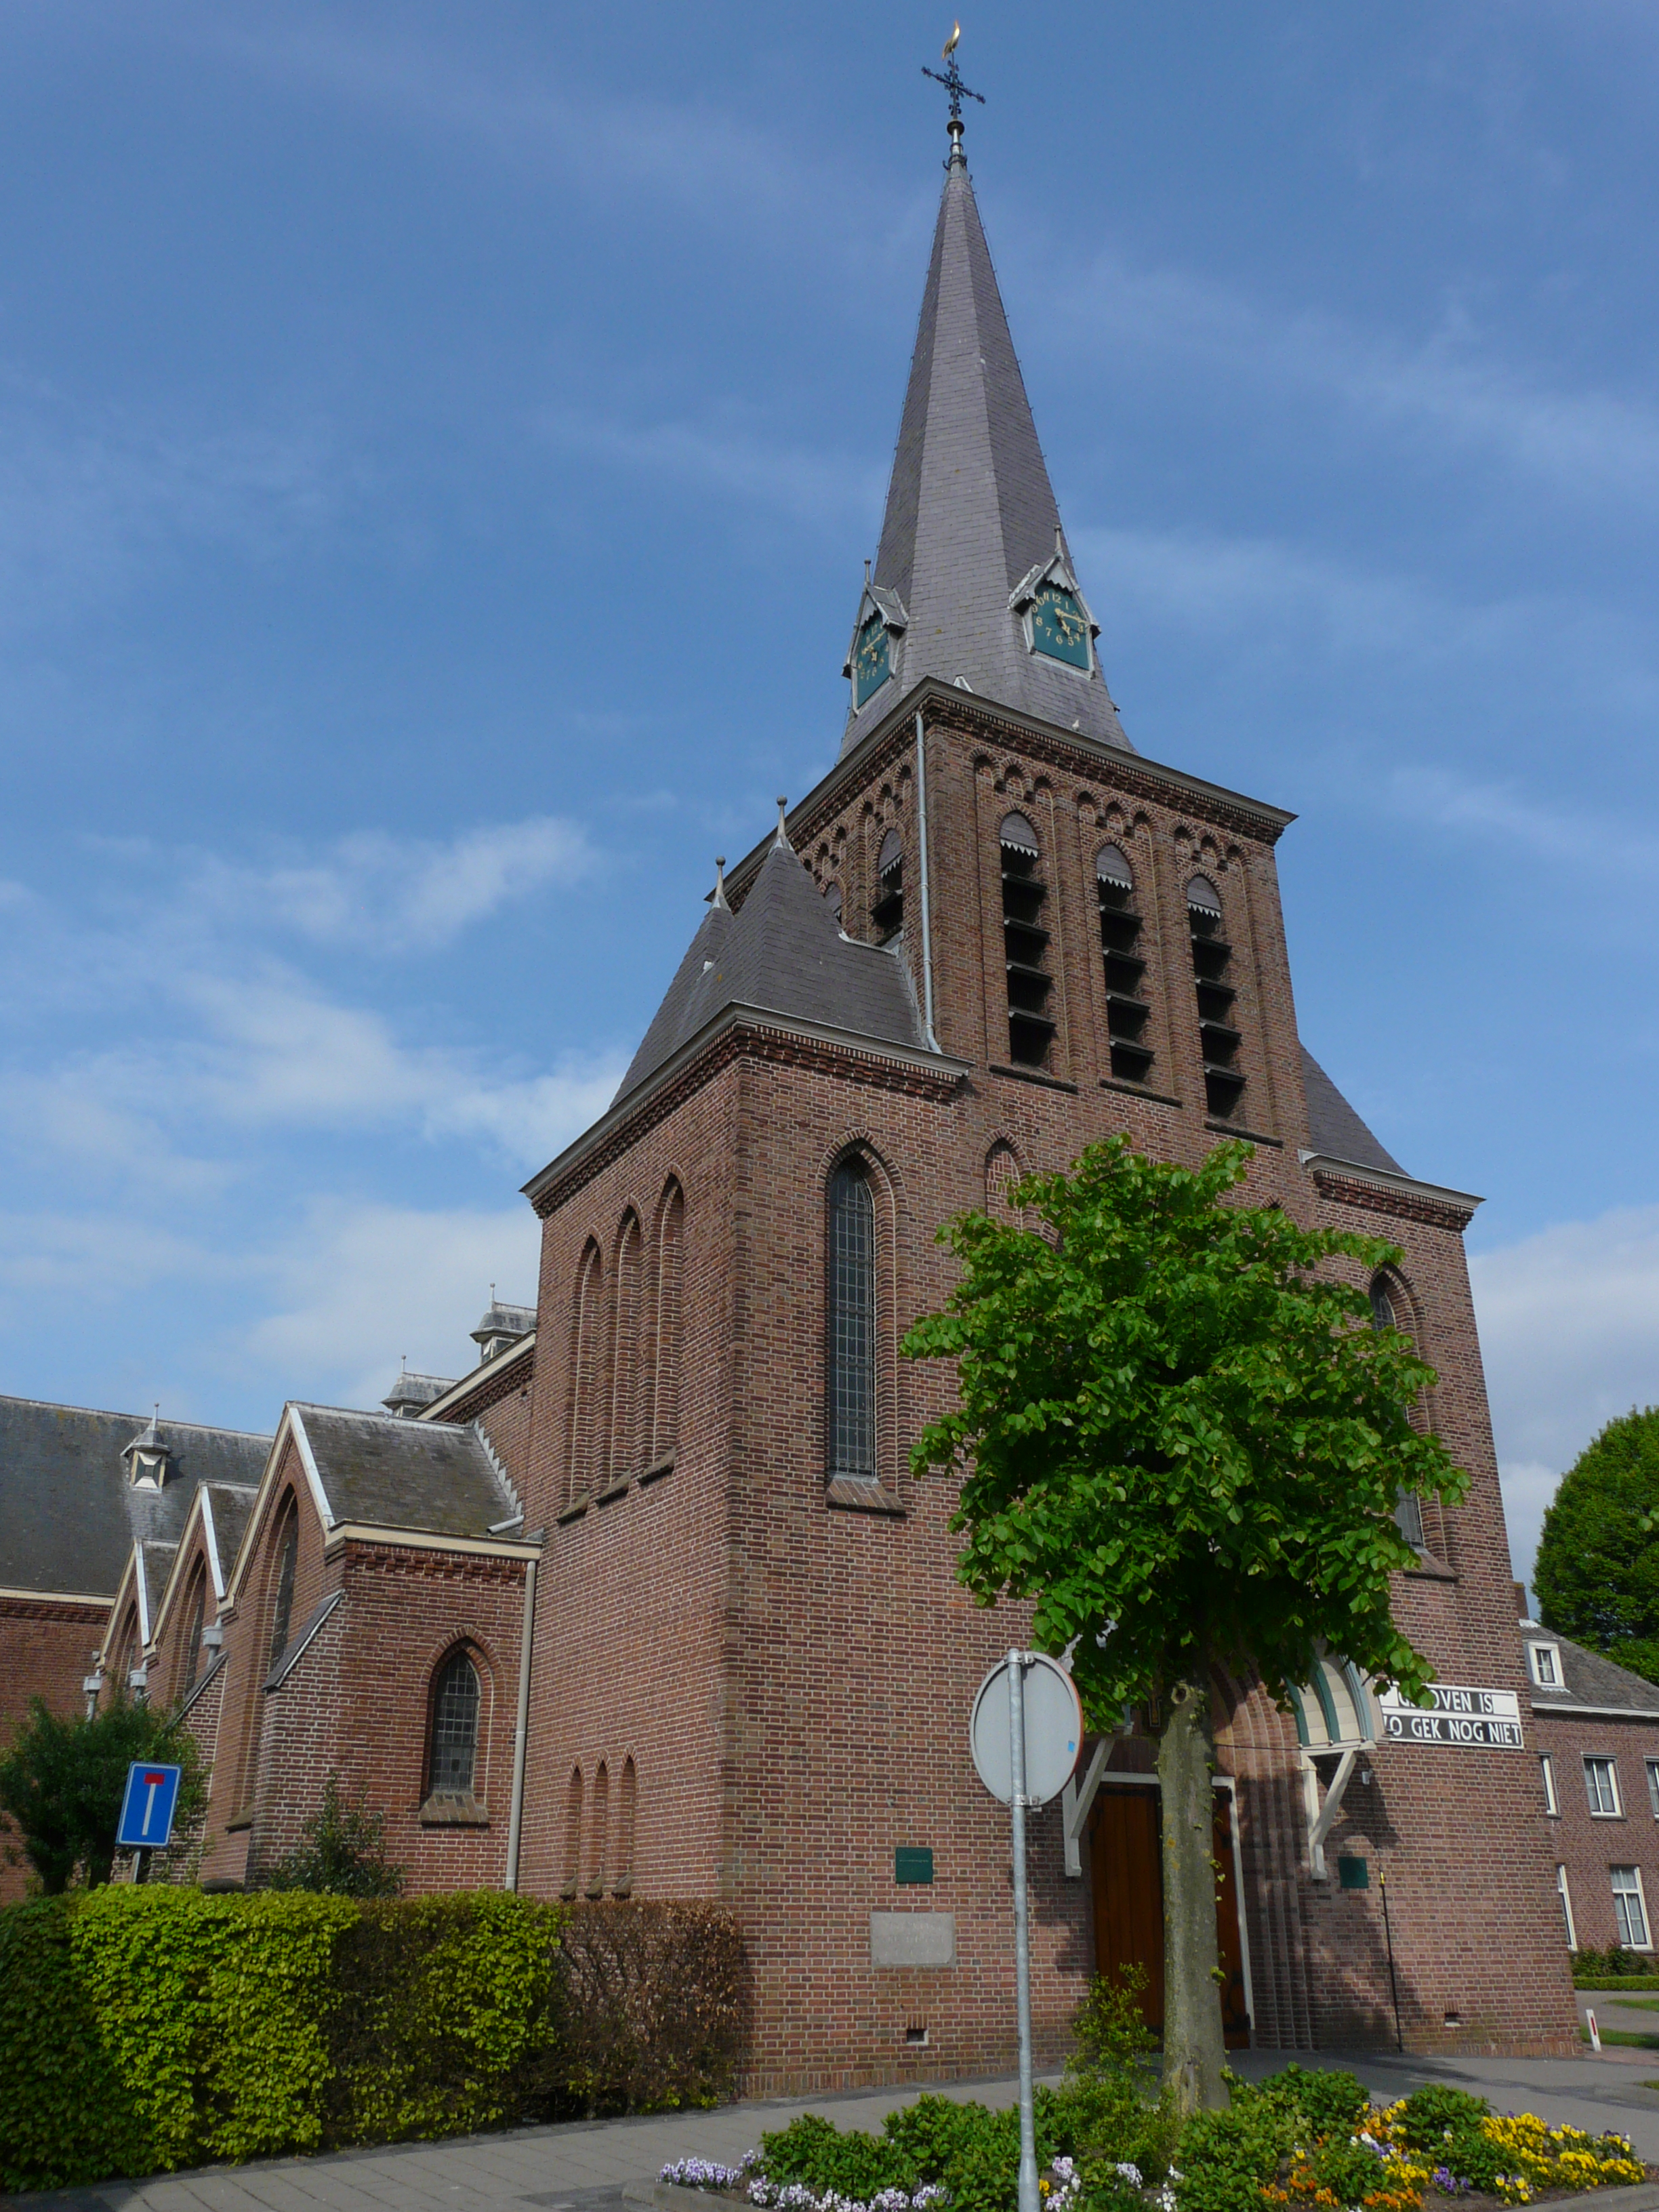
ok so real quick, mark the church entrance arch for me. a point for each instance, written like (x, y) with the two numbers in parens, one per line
(1126, 1878)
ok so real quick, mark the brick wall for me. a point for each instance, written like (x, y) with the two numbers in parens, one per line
(1588, 1845)
(46, 1647)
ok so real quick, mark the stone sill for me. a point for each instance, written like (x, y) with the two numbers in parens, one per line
(1035, 1075)
(853, 1496)
(1238, 1129)
(1138, 1090)
(448, 1809)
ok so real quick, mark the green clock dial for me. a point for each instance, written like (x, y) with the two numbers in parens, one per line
(871, 664)
(1059, 628)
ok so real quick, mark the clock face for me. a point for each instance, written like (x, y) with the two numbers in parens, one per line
(1059, 628)
(871, 665)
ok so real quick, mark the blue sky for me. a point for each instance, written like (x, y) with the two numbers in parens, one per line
(438, 449)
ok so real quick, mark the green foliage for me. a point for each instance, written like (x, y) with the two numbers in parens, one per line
(1105, 2111)
(1184, 1439)
(1597, 1577)
(1429, 2115)
(342, 1852)
(815, 2151)
(1614, 1964)
(1225, 2159)
(62, 1783)
(144, 2029)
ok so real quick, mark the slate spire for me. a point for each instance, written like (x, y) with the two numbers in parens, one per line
(971, 520)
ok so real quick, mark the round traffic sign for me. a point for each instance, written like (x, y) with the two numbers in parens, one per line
(1053, 1730)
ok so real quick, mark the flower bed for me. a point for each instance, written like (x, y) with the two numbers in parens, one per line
(1298, 2143)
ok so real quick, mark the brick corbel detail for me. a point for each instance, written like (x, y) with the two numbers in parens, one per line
(1404, 1205)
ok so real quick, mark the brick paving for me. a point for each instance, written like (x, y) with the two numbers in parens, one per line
(583, 2166)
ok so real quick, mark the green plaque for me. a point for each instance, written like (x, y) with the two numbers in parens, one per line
(1353, 1874)
(912, 1866)
(872, 661)
(1059, 628)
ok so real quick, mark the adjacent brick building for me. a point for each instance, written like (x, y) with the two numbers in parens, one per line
(991, 934)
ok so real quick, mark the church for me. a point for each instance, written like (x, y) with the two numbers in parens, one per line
(648, 1602)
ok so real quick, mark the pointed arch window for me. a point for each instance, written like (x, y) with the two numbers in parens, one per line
(190, 1659)
(626, 1378)
(597, 1840)
(851, 1317)
(1026, 943)
(622, 1879)
(586, 1363)
(454, 1751)
(573, 1832)
(1385, 1314)
(1223, 1080)
(288, 1558)
(1126, 1010)
(666, 1350)
(887, 912)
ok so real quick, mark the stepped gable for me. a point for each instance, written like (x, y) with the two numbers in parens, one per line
(782, 953)
(970, 512)
(1335, 1129)
(390, 1474)
(68, 1514)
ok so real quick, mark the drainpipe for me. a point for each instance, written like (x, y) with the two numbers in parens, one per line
(522, 1733)
(927, 912)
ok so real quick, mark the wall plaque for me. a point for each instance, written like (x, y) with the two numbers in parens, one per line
(1489, 1720)
(913, 1939)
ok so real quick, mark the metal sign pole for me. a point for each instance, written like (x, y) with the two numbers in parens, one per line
(1028, 2197)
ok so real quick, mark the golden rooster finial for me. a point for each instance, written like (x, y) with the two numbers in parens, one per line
(950, 47)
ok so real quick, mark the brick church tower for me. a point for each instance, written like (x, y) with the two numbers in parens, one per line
(995, 933)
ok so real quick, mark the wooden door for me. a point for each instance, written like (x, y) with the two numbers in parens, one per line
(1128, 1900)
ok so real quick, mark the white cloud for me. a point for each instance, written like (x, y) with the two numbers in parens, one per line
(363, 1285)
(382, 893)
(1445, 388)
(1570, 1331)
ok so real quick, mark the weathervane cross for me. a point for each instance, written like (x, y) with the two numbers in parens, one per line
(952, 79)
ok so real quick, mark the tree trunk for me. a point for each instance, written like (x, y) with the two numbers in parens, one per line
(1192, 2048)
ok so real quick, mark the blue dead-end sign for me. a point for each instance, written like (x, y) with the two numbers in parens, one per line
(148, 1807)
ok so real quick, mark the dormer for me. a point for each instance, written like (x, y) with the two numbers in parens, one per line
(501, 1327)
(873, 658)
(410, 1394)
(148, 1459)
(1054, 615)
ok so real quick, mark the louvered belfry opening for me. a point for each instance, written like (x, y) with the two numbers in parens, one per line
(887, 912)
(1223, 1080)
(1025, 944)
(1126, 1011)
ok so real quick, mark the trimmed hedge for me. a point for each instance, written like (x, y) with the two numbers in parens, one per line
(143, 2029)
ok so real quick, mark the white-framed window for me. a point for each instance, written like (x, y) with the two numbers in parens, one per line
(1544, 1661)
(1629, 1907)
(1601, 1788)
(1547, 1770)
(1653, 1786)
(1565, 1895)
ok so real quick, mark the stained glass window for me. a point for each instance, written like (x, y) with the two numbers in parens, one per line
(852, 1324)
(455, 1724)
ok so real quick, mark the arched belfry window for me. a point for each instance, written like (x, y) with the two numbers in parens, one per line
(1386, 1313)
(1126, 1010)
(1026, 943)
(887, 912)
(454, 1748)
(852, 1324)
(1223, 1080)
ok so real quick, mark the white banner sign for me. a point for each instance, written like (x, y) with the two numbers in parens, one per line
(1490, 1719)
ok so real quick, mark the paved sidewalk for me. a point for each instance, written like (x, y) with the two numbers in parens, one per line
(582, 2165)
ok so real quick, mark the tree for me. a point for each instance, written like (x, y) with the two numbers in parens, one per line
(1597, 1577)
(1182, 1442)
(62, 1783)
(343, 1851)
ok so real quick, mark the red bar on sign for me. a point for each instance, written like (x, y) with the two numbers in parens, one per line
(156, 1780)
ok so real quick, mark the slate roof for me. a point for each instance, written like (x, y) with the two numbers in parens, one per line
(1335, 1129)
(431, 1475)
(70, 1518)
(1588, 1678)
(783, 951)
(970, 510)
(232, 1503)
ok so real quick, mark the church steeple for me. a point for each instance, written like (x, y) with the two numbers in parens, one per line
(973, 582)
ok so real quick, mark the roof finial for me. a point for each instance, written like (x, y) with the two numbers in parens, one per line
(717, 896)
(952, 79)
(867, 575)
(782, 838)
